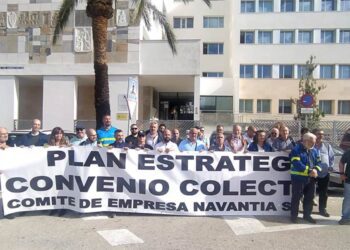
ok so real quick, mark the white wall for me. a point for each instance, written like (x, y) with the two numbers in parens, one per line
(9, 101)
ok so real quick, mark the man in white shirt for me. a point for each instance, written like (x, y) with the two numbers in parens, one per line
(166, 145)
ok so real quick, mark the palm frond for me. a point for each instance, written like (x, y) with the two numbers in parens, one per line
(161, 18)
(63, 15)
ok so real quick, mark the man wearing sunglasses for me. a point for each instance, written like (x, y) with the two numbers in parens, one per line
(131, 139)
(81, 136)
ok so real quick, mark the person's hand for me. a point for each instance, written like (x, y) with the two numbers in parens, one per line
(211, 151)
(330, 169)
(167, 150)
(125, 148)
(160, 150)
(343, 177)
(313, 173)
(109, 147)
(146, 149)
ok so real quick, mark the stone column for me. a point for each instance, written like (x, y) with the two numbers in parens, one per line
(59, 102)
(9, 100)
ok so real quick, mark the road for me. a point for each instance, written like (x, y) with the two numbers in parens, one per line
(38, 230)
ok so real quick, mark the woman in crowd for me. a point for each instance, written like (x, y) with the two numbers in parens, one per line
(259, 143)
(57, 138)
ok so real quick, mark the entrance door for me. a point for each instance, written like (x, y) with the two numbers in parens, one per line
(176, 105)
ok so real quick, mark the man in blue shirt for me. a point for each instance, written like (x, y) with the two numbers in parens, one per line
(106, 133)
(192, 143)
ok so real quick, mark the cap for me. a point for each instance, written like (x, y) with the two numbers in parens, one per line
(141, 133)
(79, 127)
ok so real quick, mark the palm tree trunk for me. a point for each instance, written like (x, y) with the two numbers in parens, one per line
(102, 106)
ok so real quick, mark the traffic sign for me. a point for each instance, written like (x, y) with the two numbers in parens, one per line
(306, 101)
(306, 110)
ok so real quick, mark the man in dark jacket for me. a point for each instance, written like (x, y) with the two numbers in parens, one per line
(34, 137)
(305, 167)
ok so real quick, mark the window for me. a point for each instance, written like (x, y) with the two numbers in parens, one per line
(327, 36)
(328, 5)
(265, 5)
(305, 36)
(265, 37)
(247, 37)
(344, 107)
(325, 106)
(326, 71)
(287, 37)
(246, 71)
(213, 22)
(213, 74)
(247, 6)
(183, 22)
(216, 104)
(306, 5)
(263, 106)
(287, 5)
(213, 48)
(285, 106)
(345, 5)
(264, 71)
(245, 106)
(344, 36)
(286, 71)
(302, 71)
(344, 71)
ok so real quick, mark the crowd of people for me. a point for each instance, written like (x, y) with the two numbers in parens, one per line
(311, 157)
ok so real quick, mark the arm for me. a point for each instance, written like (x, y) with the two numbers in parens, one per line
(343, 177)
(295, 159)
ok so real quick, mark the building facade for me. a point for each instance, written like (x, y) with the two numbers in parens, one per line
(240, 59)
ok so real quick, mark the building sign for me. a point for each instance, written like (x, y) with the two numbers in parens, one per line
(122, 18)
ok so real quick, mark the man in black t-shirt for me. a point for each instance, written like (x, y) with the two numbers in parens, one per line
(344, 169)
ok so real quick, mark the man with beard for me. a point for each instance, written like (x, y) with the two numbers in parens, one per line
(131, 139)
(166, 145)
(106, 133)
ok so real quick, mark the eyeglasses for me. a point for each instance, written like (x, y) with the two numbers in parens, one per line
(133, 128)
(273, 133)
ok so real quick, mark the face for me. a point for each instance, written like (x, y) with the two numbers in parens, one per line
(237, 130)
(107, 121)
(36, 126)
(284, 132)
(320, 135)
(193, 134)
(309, 143)
(3, 135)
(162, 129)
(134, 130)
(201, 131)
(176, 133)
(92, 135)
(220, 139)
(80, 133)
(141, 139)
(119, 136)
(167, 135)
(251, 132)
(219, 130)
(59, 136)
(274, 133)
(261, 137)
(153, 127)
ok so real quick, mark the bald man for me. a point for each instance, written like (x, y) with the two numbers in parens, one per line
(34, 137)
(3, 138)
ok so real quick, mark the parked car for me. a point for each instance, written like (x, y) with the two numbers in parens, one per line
(334, 175)
(15, 137)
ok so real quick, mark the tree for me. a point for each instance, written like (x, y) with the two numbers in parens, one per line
(308, 85)
(100, 11)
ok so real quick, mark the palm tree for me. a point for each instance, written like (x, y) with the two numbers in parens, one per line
(100, 11)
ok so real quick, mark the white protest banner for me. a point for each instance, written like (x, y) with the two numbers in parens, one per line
(87, 179)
